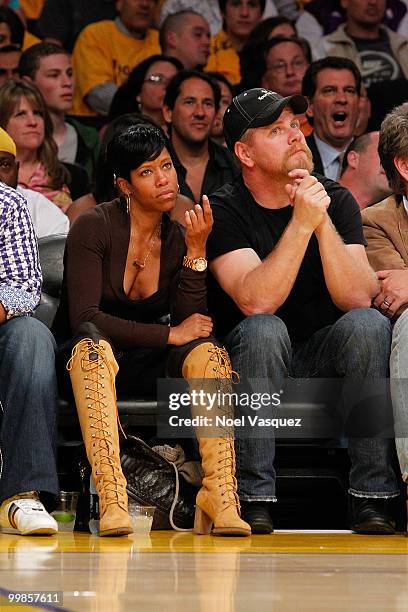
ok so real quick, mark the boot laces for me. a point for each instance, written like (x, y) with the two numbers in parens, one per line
(223, 364)
(94, 365)
(226, 471)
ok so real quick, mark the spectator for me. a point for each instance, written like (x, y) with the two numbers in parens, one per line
(386, 232)
(286, 61)
(106, 52)
(190, 106)
(362, 173)
(332, 86)
(47, 219)
(24, 116)
(209, 10)
(217, 134)
(186, 37)
(364, 112)
(9, 58)
(105, 187)
(49, 67)
(252, 56)
(28, 386)
(12, 30)
(379, 53)
(239, 19)
(61, 21)
(144, 90)
(290, 292)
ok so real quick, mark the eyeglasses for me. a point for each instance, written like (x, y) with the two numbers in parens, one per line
(157, 79)
(297, 64)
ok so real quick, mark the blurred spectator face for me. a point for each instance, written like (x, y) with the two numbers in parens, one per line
(5, 34)
(9, 65)
(158, 76)
(137, 15)
(364, 12)
(8, 169)
(194, 111)
(26, 126)
(192, 42)
(241, 16)
(226, 99)
(55, 79)
(334, 106)
(285, 66)
(370, 170)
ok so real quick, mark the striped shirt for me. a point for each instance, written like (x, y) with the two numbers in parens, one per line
(20, 272)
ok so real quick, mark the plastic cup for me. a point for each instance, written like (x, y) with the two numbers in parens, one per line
(141, 517)
(65, 513)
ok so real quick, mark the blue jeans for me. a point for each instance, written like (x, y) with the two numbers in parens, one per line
(356, 347)
(28, 396)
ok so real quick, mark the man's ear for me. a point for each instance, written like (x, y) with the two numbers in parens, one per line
(352, 159)
(27, 78)
(242, 151)
(171, 40)
(167, 113)
(401, 164)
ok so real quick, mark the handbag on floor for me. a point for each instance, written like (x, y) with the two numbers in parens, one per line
(154, 480)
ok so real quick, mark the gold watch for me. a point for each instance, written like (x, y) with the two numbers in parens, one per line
(199, 264)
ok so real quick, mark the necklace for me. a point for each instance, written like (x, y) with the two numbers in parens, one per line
(141, 264)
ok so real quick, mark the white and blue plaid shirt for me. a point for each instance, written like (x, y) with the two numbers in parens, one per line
(20, 272)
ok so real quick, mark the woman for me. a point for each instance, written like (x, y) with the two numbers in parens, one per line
(24, 116)
(127, 265)
(144, 90)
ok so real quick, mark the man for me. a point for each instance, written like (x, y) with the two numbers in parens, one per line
(291, 296)
(362, 173)
(332, 87)
(240, 17)
(186, 36)
(217, 133)
(106, 52)
(61, 21)
(49, 67)
(379, 53)
(9, 58)
(47, 218)
(210, 10)
(27, 375)
(191, 104)
(286, 61)
(386, 231)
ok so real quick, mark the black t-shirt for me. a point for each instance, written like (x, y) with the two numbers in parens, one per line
(240, 222)
(378, 62)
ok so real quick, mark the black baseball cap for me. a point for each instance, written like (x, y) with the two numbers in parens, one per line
(257, 107)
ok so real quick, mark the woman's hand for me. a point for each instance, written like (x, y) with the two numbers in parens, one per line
(199, 222)
(195, 326)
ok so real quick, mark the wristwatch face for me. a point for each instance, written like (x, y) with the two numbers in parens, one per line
(200, 264)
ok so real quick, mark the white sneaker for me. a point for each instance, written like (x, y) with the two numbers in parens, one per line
(26, 516)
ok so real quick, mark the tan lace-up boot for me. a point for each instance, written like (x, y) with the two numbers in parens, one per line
(92, 368)
(207, 367)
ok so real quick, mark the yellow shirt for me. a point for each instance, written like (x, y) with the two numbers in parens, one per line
(103, 53)
(32, 8)
(223, 58)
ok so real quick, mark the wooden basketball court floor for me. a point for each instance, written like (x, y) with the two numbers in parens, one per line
(168, 571)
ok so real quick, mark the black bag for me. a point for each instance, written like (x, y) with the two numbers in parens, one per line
(152, 480)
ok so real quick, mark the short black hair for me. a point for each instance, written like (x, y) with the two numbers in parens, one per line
(221, 78)
(222, 3)
(132, 147)
(173, 88)
(8, 16)
(30, 59)
(359, 145)
(309, 82)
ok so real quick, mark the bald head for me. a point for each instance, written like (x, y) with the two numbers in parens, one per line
(186, 36)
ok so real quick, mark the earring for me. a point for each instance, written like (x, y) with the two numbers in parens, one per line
(127, 198)
(178, 188)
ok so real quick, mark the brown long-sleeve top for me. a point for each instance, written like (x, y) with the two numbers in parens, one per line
(94, 267)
